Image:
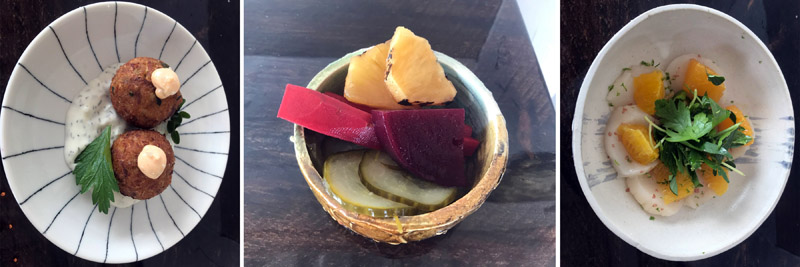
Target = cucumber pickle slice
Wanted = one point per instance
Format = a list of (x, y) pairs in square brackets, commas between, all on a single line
[(381, 175), (341, 174)]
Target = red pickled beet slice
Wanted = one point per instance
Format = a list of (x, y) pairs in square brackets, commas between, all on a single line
[(467, 131), (470, 145), (328, 116), (343, 99), (427, 142)]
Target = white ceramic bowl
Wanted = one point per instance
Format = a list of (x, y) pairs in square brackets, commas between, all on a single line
[(753, 80), (52, 70)]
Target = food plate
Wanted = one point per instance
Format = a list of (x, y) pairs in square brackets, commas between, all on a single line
[(71, 51), (754, 82)]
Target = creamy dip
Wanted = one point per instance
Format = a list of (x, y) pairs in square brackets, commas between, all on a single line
[(90, 112)]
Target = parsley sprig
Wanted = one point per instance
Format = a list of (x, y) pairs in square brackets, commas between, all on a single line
[(176, 121), (688, 136), (93, 170)]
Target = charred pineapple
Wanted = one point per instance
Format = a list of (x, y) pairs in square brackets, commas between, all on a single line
[(413, 75), (364, 84)]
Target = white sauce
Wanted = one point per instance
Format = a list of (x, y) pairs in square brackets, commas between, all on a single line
[(90, 112)]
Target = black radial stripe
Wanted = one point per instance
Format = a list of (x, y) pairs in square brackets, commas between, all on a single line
[(108, 235), (116, 48), (133, 241), (147, 209), (204, 116), (192, 186), (199, 133), (184, 201), (41, 83), (184, 55), (201, 151), (33, 116), (136, 44), (31, 151), (170, 215), (201, 97), (59, 212), (41, 188), (65, 55), (193, 167), (195, 72), (165, 41), (84, 230), (86, 22)]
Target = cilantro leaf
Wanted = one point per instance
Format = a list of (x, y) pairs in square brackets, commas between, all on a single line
[(718, 114), (93, 170), (678, 122), (688, 138), (715, 79), (673, 184)]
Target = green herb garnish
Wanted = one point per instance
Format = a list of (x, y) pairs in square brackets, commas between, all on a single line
[(652, 63), (624, 69), (176, 121), (688, 137), (93, 170), (715, 79)]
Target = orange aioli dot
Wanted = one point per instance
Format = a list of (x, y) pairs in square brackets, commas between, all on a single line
[(166, 82), (152, 161)]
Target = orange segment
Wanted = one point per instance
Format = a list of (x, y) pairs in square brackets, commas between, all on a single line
[(648, 88), (636, 140), (696, 78), (748, 129), (685, 185), (716, 182)]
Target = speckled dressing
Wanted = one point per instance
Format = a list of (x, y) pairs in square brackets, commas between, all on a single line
[(90, 112)]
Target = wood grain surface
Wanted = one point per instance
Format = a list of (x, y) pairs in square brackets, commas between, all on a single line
[(585, 28), (290, 41), (215, 240)]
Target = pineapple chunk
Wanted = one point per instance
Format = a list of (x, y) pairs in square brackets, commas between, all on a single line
[(364, 84), (413, 75)]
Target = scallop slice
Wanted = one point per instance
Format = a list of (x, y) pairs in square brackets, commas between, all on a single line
[(701, 196), (677, 69), (619, 157), (620, 93), (713, 186), (645, 189)]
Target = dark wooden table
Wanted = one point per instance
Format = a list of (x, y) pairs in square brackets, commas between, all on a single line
[(585, 28), (215, 240), (290, 41)]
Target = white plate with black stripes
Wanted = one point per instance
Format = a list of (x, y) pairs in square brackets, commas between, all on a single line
[(53, 69)]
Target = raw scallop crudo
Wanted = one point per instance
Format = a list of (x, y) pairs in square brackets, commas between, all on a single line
[(410, 142), (670, 138)]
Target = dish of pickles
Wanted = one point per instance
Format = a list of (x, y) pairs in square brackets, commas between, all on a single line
[(397, 108)]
